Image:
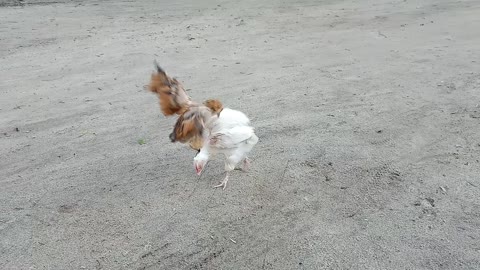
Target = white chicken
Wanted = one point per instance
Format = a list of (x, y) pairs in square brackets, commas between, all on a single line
[(231, 135), (225, 131)]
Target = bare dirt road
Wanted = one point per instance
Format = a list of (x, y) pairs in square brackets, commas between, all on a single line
[(367, 111)]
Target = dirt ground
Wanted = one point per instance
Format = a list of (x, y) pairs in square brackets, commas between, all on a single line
[(367, 112)]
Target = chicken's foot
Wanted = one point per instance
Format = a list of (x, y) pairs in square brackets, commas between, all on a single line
[(223, 183)]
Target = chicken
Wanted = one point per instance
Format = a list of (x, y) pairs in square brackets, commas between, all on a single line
[(208, 128), (173, 99), (224, 131)]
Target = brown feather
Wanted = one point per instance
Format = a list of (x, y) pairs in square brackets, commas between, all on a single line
[(173, 100), (196, 142), (190, 125), (172, 96), (214, 104)]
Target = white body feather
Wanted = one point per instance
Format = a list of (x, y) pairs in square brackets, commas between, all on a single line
[(229, 134)]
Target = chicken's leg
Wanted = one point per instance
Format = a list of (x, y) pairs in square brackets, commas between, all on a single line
[(224, 182)]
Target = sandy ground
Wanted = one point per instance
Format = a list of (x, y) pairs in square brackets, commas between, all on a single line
[(367, 111)]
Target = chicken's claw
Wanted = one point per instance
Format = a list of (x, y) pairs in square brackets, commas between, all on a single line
[(223, 183)]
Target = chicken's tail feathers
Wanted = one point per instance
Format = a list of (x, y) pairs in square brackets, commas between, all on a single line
[(214, 104), (158, 67), (171, 93), (161, 75)]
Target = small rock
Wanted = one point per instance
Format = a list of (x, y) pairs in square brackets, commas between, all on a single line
[(379, 131), (430, 201), (475, 114)]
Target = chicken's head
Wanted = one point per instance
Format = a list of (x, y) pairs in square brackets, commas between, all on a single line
[(199, 162)]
